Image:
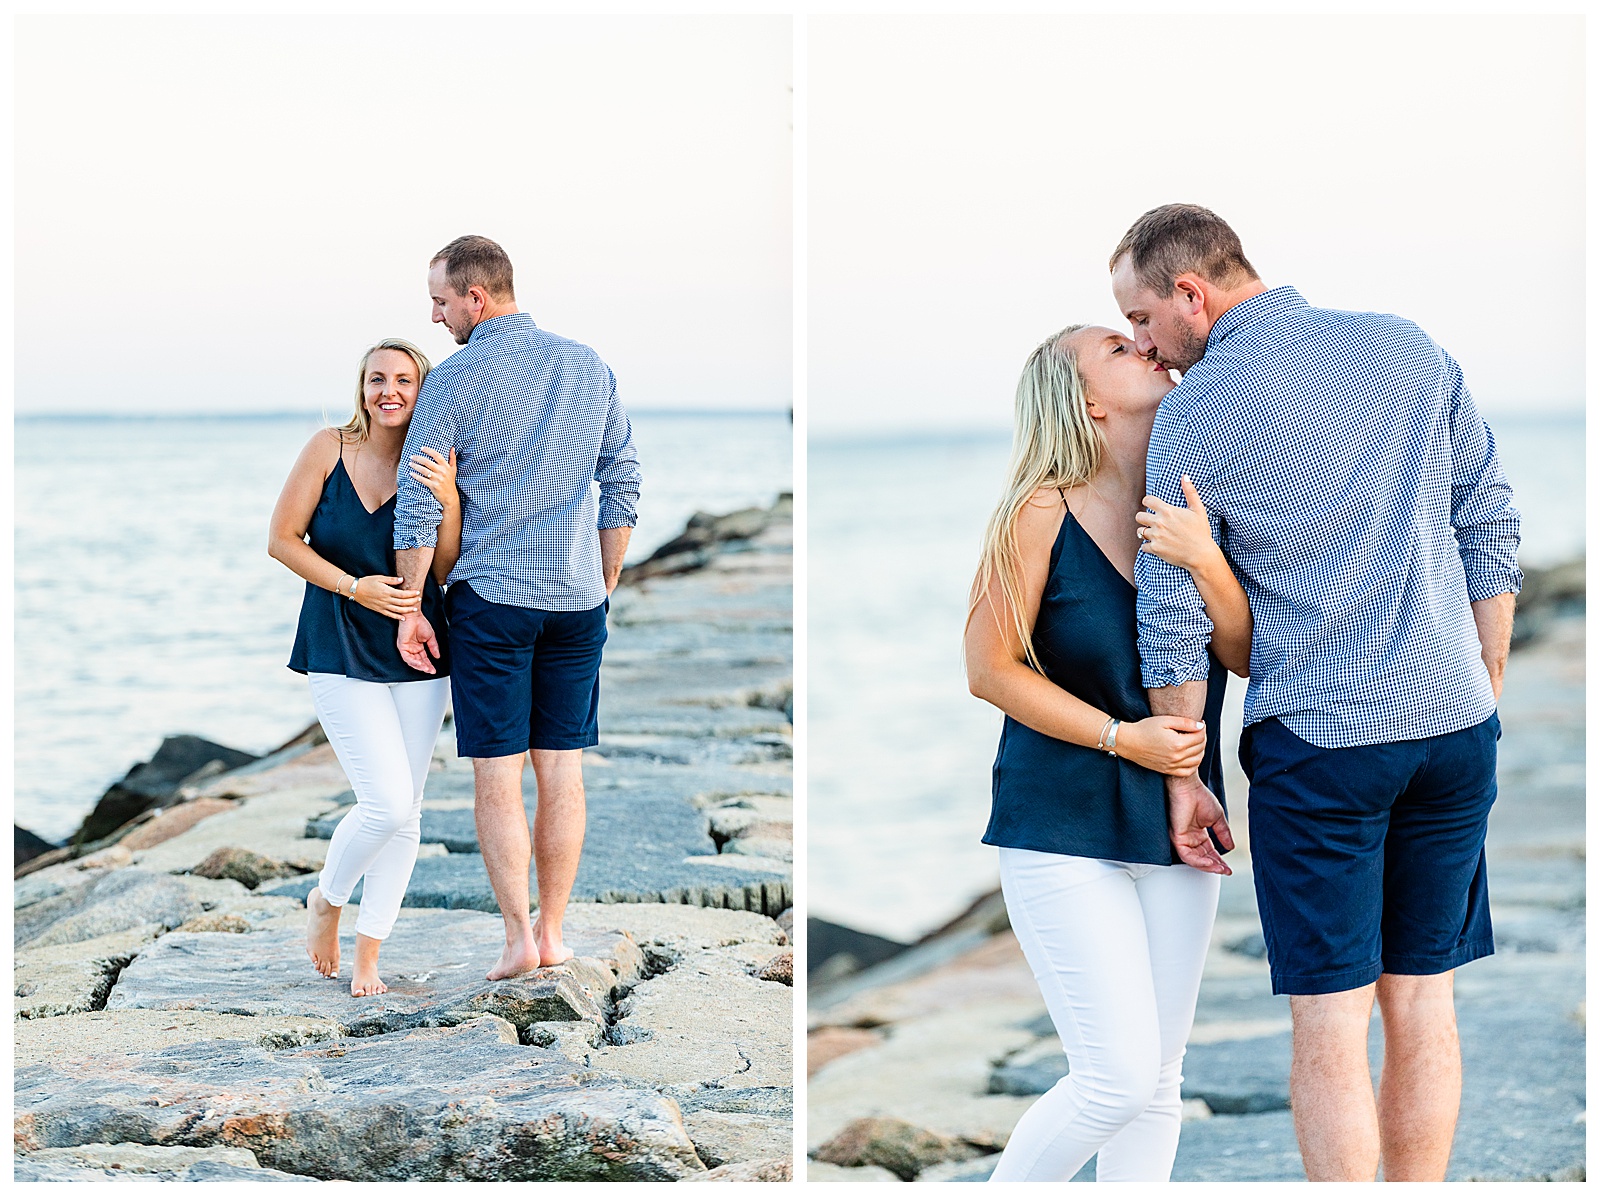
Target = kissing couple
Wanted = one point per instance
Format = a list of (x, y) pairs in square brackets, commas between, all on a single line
[(1317, 505), (453, 548)]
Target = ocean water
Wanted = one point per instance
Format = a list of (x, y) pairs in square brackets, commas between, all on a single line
[(899, 751), (146, 604)]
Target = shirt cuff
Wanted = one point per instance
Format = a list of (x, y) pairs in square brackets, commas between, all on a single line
[(1483, 584), (425, 538), (615, 516), (1160, 675)]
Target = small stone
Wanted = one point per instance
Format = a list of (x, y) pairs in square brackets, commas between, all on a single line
[(779, 969), (893, 1144), (771, 1170), (248, 867)]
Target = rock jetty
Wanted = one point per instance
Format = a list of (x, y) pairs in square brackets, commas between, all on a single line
[(169, 1027), (920, 1064)]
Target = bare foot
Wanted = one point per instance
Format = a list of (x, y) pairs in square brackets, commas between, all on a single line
[(552, 951), (518, 958), (365, 981), (322, 934)]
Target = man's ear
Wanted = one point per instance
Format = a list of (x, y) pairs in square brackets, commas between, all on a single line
[(479, 297), (1190, 292)]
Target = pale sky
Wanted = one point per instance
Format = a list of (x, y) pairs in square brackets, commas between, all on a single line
[(220, 214), (968, 178)]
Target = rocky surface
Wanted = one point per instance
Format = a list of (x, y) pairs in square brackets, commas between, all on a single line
[(169, 1026), (951, 1038)]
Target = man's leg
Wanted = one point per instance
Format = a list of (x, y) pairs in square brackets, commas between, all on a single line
[(558, 826), (503, 839), (1420, 1092), (1330, 1086)]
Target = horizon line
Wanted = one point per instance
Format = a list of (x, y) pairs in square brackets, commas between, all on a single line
[(286, 414)]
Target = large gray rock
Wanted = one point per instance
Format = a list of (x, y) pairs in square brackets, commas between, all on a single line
[(433, 962), (75, 977), (119, 900), (111, 1035), (722, 1138), (461, 1103)]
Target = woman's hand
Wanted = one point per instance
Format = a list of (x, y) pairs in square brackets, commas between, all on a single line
[(1180, 536), (379, 593), (436, 473), (1168, 744)]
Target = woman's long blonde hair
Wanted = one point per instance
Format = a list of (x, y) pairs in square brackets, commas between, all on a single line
[(360, 424), (1055, 444)]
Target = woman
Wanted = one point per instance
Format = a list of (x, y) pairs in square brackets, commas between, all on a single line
[(1113, 925), (380, 715)]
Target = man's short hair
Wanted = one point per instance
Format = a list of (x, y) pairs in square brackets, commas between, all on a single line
[(1179, 239), (474, 261)]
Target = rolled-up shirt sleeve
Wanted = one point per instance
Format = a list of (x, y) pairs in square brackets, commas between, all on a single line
[(1488, 528), (1174, 631), (416, 513), (617, 468)]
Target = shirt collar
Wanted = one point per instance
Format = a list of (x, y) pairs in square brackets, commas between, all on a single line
[(1255, 310), (494, 325)]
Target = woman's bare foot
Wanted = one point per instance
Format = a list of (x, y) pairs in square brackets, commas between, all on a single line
[(365, 981), (552, 951), (322, 934)]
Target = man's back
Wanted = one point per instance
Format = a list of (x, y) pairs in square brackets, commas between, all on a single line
[(1360, 500), (535, 420)]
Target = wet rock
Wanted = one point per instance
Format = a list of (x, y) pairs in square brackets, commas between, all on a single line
[(119, 900), (74, 977), (428, 1104), (179, 819), (179, 760), (772, 1170), (28, 845), (895, 1145), (245, 866), (692, 548), (779, 969), (433, 962), (721, 1138)]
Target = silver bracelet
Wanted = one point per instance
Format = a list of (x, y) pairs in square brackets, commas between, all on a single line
[(355, 582), (1111, 742), (338, 584), (1104, 729)]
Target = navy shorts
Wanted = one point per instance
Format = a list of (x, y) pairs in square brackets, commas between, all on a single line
[(523, 678), (1369, 859)]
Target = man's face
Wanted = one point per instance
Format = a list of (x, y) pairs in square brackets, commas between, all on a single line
[(1171, 329), (457, 313)]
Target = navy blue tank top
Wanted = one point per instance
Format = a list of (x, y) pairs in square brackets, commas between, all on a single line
[(337, 636), (1063, 798)]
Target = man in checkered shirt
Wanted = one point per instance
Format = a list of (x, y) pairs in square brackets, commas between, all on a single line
[(535, 424), (1356, 491)]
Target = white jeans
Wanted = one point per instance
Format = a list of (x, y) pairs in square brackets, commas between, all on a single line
[(1117, 949), (383, 734)]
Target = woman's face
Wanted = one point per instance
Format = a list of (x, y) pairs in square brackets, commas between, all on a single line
[(1118, 380), (390, 388)]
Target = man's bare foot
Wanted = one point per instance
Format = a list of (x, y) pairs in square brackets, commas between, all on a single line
[(518, 958), (322, 934), (552, 951), (365, 981)]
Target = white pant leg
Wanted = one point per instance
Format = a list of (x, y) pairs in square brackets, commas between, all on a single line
[(1082, 929), (383, 735), (1180, 904)]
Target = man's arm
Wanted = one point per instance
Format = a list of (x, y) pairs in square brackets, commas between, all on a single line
[(416, 512), (617, 472), (613, 547), (1174, 634), (1493, 617)]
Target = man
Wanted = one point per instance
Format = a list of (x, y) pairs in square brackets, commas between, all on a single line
[(534, 419), (1356, 491)]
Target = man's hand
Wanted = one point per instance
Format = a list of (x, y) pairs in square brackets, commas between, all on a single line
[(416, 641), (1494, 617), (1191, 811)]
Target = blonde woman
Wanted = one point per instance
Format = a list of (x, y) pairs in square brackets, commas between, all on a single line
[(380, 715), (1113, 925)]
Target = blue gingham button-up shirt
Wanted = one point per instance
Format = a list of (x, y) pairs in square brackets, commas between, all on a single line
[(1357, 494), (535, 421)]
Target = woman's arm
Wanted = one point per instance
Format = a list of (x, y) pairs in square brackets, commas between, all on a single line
[(997, 669), (438, 474), (1182, 537), (291, 517)]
